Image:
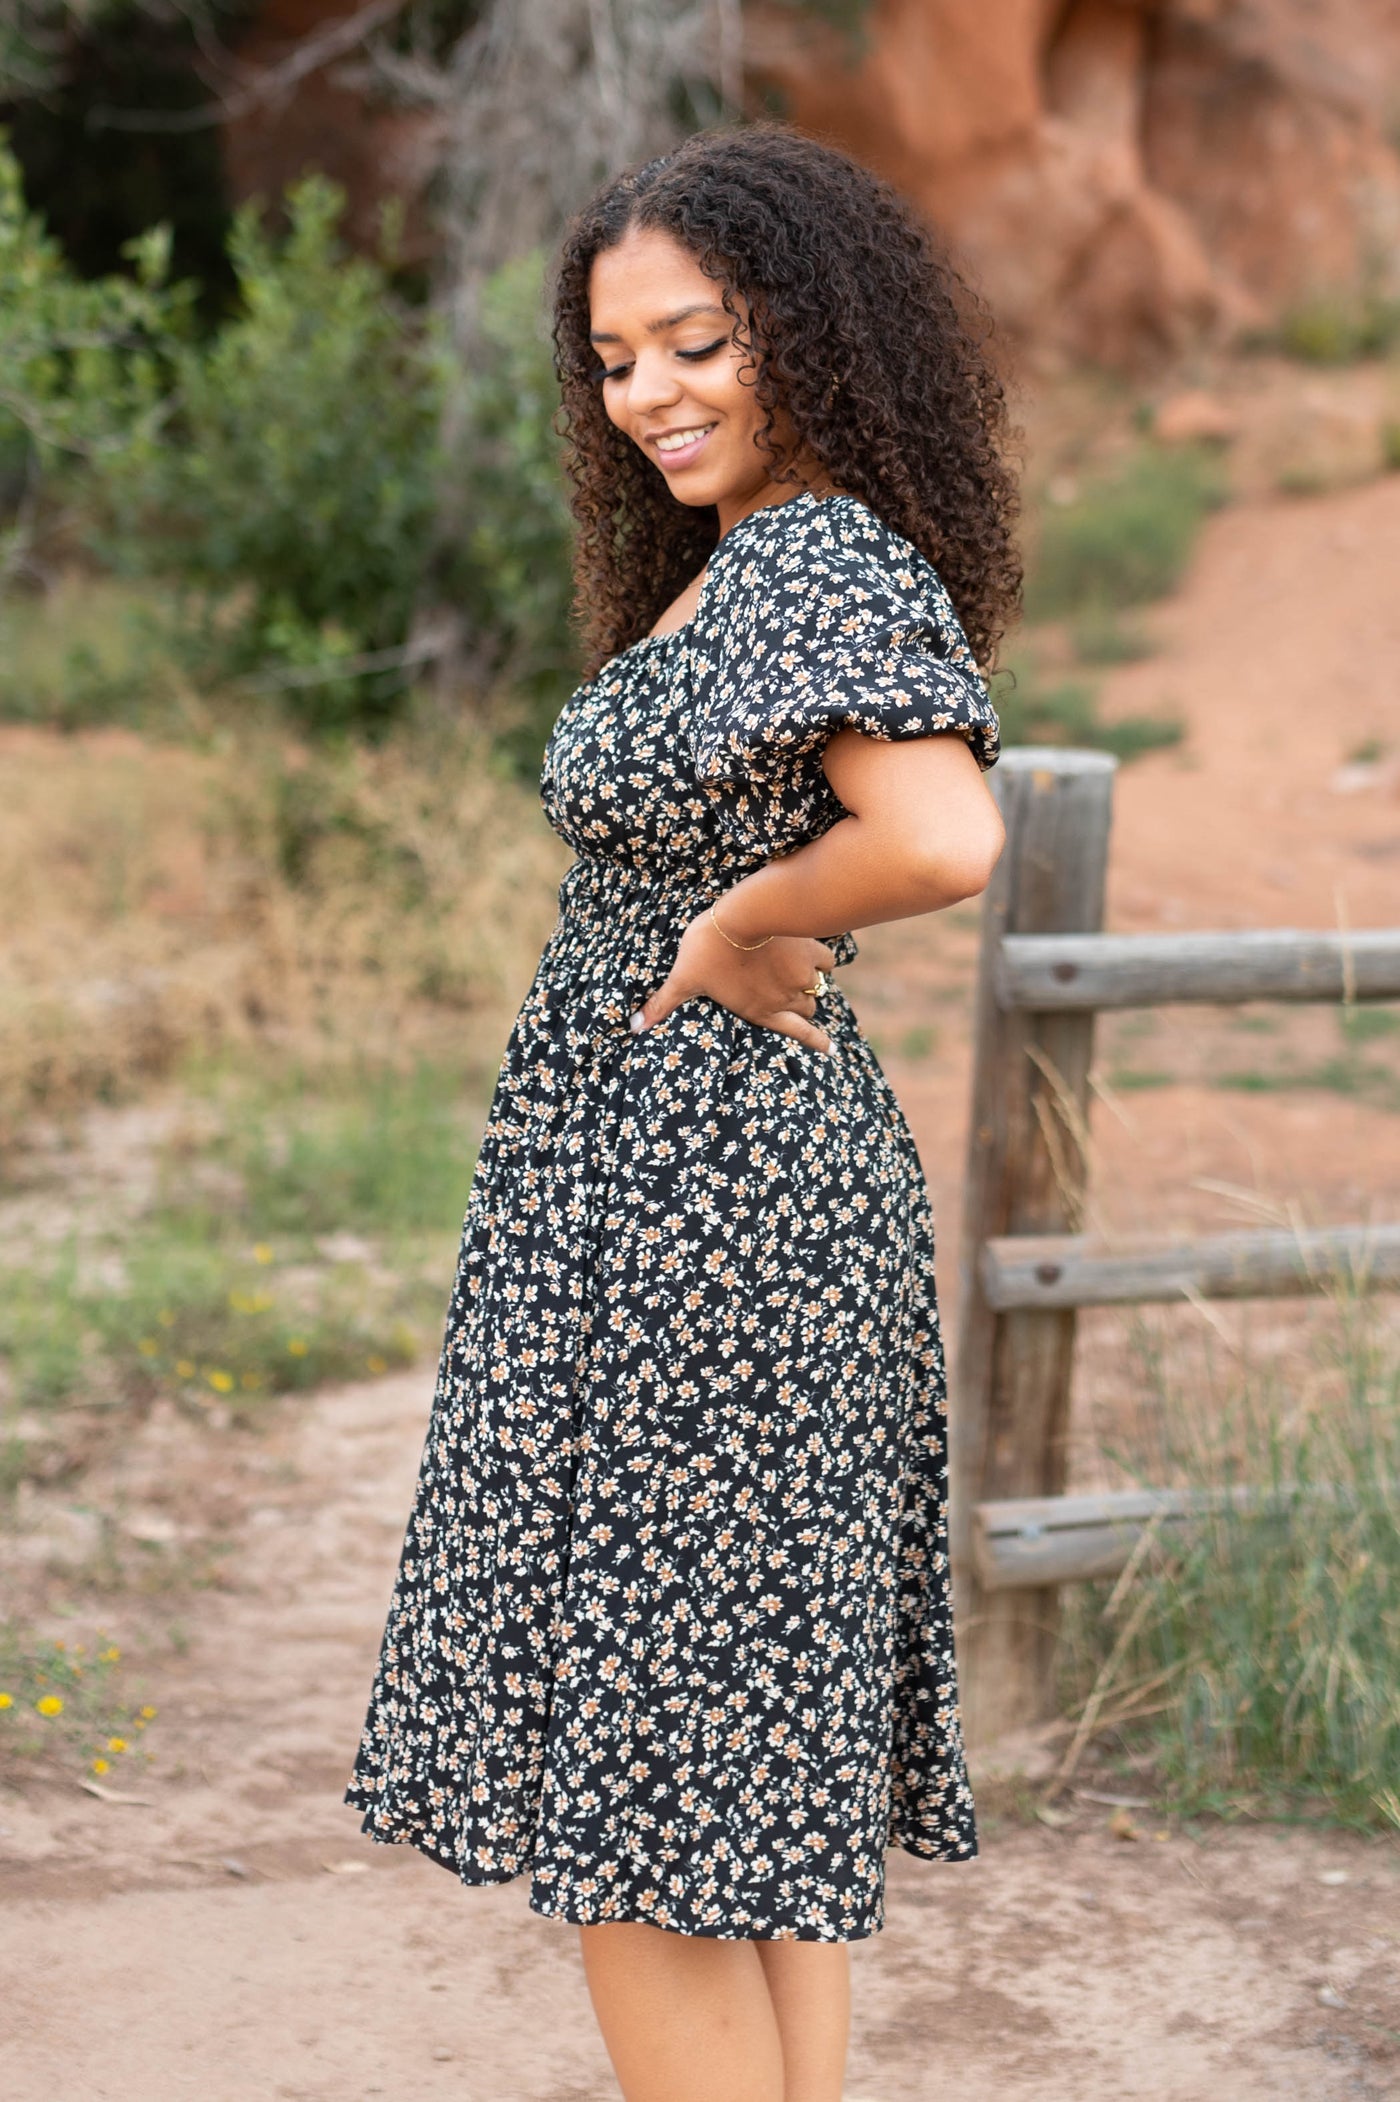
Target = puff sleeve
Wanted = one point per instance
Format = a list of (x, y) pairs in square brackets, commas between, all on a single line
[(817, 617)]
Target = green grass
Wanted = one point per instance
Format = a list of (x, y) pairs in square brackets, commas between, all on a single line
[(1125, 538), (1256, 1661), (1345, 1074), (387, 1154), (229, 1286), (1102, 636), (66, 1705), (1368, 1025), (1034, 711), (94, 651), (919, 1042), (1338, 328), (1127, 1078)]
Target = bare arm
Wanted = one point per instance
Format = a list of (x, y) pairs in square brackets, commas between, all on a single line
[(922, 832)]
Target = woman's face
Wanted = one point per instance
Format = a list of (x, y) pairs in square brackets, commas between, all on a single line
[(670, 375)]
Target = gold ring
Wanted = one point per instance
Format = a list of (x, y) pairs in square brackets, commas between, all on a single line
[(814, 992)]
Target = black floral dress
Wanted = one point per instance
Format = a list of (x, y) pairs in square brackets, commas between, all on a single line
[(671, 1631)]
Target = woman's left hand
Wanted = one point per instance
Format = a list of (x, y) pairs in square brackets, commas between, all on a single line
[(775, 984)]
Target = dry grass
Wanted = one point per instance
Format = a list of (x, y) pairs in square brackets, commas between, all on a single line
[(164, 900), (1249, 1659)]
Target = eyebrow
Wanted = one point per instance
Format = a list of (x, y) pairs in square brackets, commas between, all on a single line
[(655, 328)]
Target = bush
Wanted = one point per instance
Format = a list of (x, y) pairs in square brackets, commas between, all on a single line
[(514, 527), (1032, 712), (308, 480), (1339, 328), (83, 363), (1124, 539), (293, 495)]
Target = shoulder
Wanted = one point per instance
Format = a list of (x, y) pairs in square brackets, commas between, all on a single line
[(820, 571)]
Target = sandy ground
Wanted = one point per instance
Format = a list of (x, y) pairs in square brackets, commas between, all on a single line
[(232, 1936)]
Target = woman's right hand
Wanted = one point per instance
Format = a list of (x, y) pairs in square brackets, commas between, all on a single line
[(773, 985)]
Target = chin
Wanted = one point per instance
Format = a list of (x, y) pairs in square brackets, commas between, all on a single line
[(698, 499)]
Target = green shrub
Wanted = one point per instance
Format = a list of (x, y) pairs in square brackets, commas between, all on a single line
[(293, 495), (307, 481), (1124, 539), (1066, 713), (1101, 636), (1339, 328), (82, 364), (512, 516)]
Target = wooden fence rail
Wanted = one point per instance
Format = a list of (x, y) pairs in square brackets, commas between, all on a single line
[(1046, 969), (1064, 1270), (1065, 974)]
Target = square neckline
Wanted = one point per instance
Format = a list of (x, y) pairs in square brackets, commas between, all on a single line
[(840, 496)]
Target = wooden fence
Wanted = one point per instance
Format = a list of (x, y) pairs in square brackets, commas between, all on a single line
[(1046, 969)]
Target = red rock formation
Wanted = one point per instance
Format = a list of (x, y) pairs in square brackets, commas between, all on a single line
[(372, 149), (1121, 176)]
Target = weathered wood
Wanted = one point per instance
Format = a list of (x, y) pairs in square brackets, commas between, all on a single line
[(1027, 1542), (1025, 1174), (1069, 974), (1068, 1270)]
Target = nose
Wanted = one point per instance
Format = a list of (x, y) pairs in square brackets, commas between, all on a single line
[(652, 384)]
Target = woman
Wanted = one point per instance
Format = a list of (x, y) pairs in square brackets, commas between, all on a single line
[(671, 1632)]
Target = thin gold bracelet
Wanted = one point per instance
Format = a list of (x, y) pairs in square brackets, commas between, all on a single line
[(744, 948)]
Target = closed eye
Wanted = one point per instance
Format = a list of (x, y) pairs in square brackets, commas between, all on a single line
[(692, 357)]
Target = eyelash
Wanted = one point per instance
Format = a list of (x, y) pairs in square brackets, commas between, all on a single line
[(692, 357)]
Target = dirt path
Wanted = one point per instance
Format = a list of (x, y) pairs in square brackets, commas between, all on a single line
[(236, 1939)]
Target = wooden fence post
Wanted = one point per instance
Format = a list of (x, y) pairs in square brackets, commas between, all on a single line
[(1025, 1174)]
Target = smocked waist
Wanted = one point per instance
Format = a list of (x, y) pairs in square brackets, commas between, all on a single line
[(619, 926)]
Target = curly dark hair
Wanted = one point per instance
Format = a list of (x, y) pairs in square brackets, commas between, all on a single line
[(861, 329)]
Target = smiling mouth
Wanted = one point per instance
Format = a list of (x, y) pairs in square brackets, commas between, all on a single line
[(677, 448)]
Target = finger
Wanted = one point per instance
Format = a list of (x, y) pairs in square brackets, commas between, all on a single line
[(656, 1007), (826, 956), (788, 1023), (803, 1004)]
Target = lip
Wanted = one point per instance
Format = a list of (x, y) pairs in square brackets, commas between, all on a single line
[(668, 462)]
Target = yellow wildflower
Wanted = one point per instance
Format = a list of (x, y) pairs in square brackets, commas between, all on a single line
[(298, 1346), (148, 1347), (148, 1715), (184, 1368), (261, 1252), (221, 1382), (166, 1318), (49, 1704), (7, 1700), (108, 1655), (377, 1364), (102, 1766), (117, 1744)]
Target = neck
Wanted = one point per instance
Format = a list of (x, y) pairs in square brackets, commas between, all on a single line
[(817, 483)]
